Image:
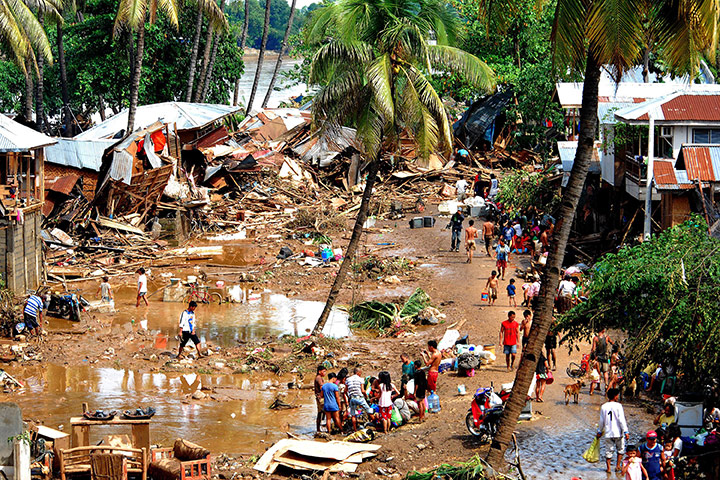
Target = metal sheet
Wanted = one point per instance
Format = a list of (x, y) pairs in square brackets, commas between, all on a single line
[(703, 108), (19, 138), (83, 154)]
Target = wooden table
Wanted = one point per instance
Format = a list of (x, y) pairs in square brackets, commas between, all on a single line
[(81, 431)]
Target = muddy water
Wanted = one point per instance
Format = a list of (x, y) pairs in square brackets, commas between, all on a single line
[(54, 393), (263, 314), (282, 93)]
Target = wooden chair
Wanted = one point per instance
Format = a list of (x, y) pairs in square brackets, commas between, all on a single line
[(78, 460), (165, 465)]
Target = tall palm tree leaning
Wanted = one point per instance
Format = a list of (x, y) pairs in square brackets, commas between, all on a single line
[(600, 32), (283, 47), (209, 71), (243, 38), (373, 70), (132, 14), (261, 56), (216, 20)]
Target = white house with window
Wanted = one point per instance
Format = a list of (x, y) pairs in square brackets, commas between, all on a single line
[(681, 118)]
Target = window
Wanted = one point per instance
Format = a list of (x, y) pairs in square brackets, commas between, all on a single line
[(706, 135)]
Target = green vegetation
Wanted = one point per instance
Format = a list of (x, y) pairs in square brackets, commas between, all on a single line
[(374, 315), (663, 294), (520, 190), (473, 469)]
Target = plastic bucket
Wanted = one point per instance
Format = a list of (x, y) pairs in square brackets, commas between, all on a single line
[(489, 348)]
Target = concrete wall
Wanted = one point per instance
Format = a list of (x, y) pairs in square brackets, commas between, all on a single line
[(11, 424), (21, 257)]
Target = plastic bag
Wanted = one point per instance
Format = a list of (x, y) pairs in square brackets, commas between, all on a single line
[(395, 417), (592, 454)]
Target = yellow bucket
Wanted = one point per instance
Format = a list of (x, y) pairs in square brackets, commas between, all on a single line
[(489, 348)]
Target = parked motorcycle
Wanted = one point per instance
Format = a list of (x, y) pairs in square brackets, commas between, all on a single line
[(483, 418), (66, 305)]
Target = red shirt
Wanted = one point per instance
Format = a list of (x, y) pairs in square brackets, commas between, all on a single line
[(510, 332)]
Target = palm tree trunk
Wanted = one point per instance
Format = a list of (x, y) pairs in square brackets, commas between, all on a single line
[(206, 61), (211, 65), (243, 38), (544, 317), (28, 107), (63, 81), (646, 65), (256, 81), (135, 84), (352, 246), (39, 91), (236, 92), (280, 55), (193, 56)]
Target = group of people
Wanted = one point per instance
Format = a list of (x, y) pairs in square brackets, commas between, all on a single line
[(654, 459), (342, 399)]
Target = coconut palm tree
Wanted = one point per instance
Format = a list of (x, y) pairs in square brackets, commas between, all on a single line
[(283, 47), (243, 38), (373, 69), (216, 21), (597, 33), (205, 84), (132, 15), (261, 56)]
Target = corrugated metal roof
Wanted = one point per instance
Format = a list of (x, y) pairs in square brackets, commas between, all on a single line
[(64, 184), (701, 104), (570, 93), (667, 178), (566, 151), (187, 116), (700, 162), (705, 108), (19, 138), (72, 152)]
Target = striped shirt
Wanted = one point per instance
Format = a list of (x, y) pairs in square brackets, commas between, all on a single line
[(33, 306), (354, 386)]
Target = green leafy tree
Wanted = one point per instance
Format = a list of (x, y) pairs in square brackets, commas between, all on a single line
[(663, 294), (373, 67), (589, 34)]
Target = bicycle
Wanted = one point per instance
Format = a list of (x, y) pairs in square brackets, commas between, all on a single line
[(200, 294), (578, 371)]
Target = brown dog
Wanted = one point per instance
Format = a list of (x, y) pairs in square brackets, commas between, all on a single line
[(574, 391)]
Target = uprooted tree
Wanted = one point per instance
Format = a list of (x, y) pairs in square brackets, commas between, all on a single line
[(374, 76), (664, 295)]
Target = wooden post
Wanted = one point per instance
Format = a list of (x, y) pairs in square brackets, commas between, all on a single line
[(141, 435)]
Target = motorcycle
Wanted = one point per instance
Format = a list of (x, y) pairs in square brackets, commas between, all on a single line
[(485, 411), (66, 305)]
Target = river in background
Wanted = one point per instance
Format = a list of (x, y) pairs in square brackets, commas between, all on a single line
[(282, 91)]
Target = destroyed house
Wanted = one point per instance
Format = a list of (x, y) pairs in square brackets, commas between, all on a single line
[(21, 201)]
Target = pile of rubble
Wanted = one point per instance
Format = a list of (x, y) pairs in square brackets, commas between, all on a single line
[(271, 174)]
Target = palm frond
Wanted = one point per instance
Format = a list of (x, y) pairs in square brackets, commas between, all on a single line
[(337, 52), (614, 32), (31, 29), (568, 33), (379, 75), (130, 13), (419, 120), (216, 17), (456, 60), (336, 100), (13, 36), (170, 7), (432, 102)]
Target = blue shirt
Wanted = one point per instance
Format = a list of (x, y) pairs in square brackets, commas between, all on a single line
[(33, 306), (328, 390), (651, 460), (462, 152), (511, 289)]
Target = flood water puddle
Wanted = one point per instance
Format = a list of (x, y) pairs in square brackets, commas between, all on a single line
[(263, 314), (55, 393)]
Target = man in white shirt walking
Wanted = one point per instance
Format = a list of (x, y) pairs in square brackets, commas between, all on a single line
[(187, 329), (613, 424), (142, 287), (461, 188)]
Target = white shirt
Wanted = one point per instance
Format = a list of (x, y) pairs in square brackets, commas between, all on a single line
[(566, 288), (142, 283), (612, 420), (187, 321), (461, 186), (518, 229)]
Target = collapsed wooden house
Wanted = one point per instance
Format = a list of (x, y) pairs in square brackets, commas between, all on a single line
[(21, 199)]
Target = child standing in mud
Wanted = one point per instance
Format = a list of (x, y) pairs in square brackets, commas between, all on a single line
[(492, 286)]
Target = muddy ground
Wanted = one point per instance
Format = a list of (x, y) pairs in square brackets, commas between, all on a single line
[(88, 354)]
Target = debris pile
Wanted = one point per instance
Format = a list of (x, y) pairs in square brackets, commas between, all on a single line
[(335, 456)]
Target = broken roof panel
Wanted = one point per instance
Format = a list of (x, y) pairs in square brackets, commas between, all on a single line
[(71, 152), (186, 116), (470, 129), (667, 178), (64, 184), (15, 137)]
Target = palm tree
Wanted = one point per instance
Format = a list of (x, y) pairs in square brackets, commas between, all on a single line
[(209, 71), (373, 67), (243, 37), (600, 32), (133, 14), (216, 20), (280, 54), (261, 56)]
